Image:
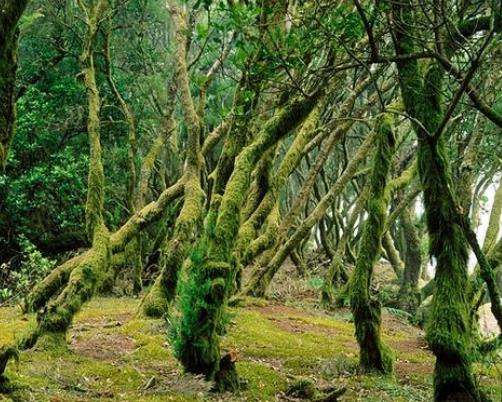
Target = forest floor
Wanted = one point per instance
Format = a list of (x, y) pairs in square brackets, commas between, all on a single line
[(112, 355)]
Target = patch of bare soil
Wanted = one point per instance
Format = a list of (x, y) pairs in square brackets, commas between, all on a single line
[(412, 345), (90, 339), (405, 369), (101, 346), (275, 310), (298, 326), (393, 325), (103, 321), (279, 315)]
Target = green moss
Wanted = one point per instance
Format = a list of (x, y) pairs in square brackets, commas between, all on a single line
[(247, 301), (134, 262), (204, 292), (174, 251), (12, 324), (267, 239), (271, 341), (275, 344), (51, 284), (336, 273), (96, 178), (155, 302), (374, 355), (264, 382), (448, 331), (268, 208), (82, 283), (267, 268)]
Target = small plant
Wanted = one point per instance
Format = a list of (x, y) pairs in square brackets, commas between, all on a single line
[(32, 268)]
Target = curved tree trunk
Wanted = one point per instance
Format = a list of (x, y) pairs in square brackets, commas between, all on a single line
[(189, 220), (91, 271), (448, 331), (393, 254), (336, 272), (85, 273), (374, 355), (204, 292)]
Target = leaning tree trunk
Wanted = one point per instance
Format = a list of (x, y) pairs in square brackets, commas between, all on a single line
[(272, 260), (189, 221), (133, 251), (393, 255), (448, 332), (336, 272), (249, 246), (374, 355), (84, 274), (204, 291), (91, 271), (10, 14), (58, 278), (156, 302)]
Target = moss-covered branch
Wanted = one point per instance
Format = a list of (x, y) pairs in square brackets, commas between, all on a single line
[(392, 254), (409, 294), (96, 177), (52, 284), (83, 274), (263, 273), (248, 246), (324, 152), (336, 272)]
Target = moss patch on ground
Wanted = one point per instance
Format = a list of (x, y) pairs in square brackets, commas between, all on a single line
[(112, 355)]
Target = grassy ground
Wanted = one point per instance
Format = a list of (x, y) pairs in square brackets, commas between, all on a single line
[(114, 356)]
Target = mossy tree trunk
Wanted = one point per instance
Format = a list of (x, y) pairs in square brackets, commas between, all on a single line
[(336, 273), (189, 221), (267, 212), (493, 229), (409, 294), (82, 275), (204, 291), (393, 255), (374, 355), (267, 249), (11, 12), (133, 250), (91, 271), (337, 134), (58, 278), (448, 331)]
